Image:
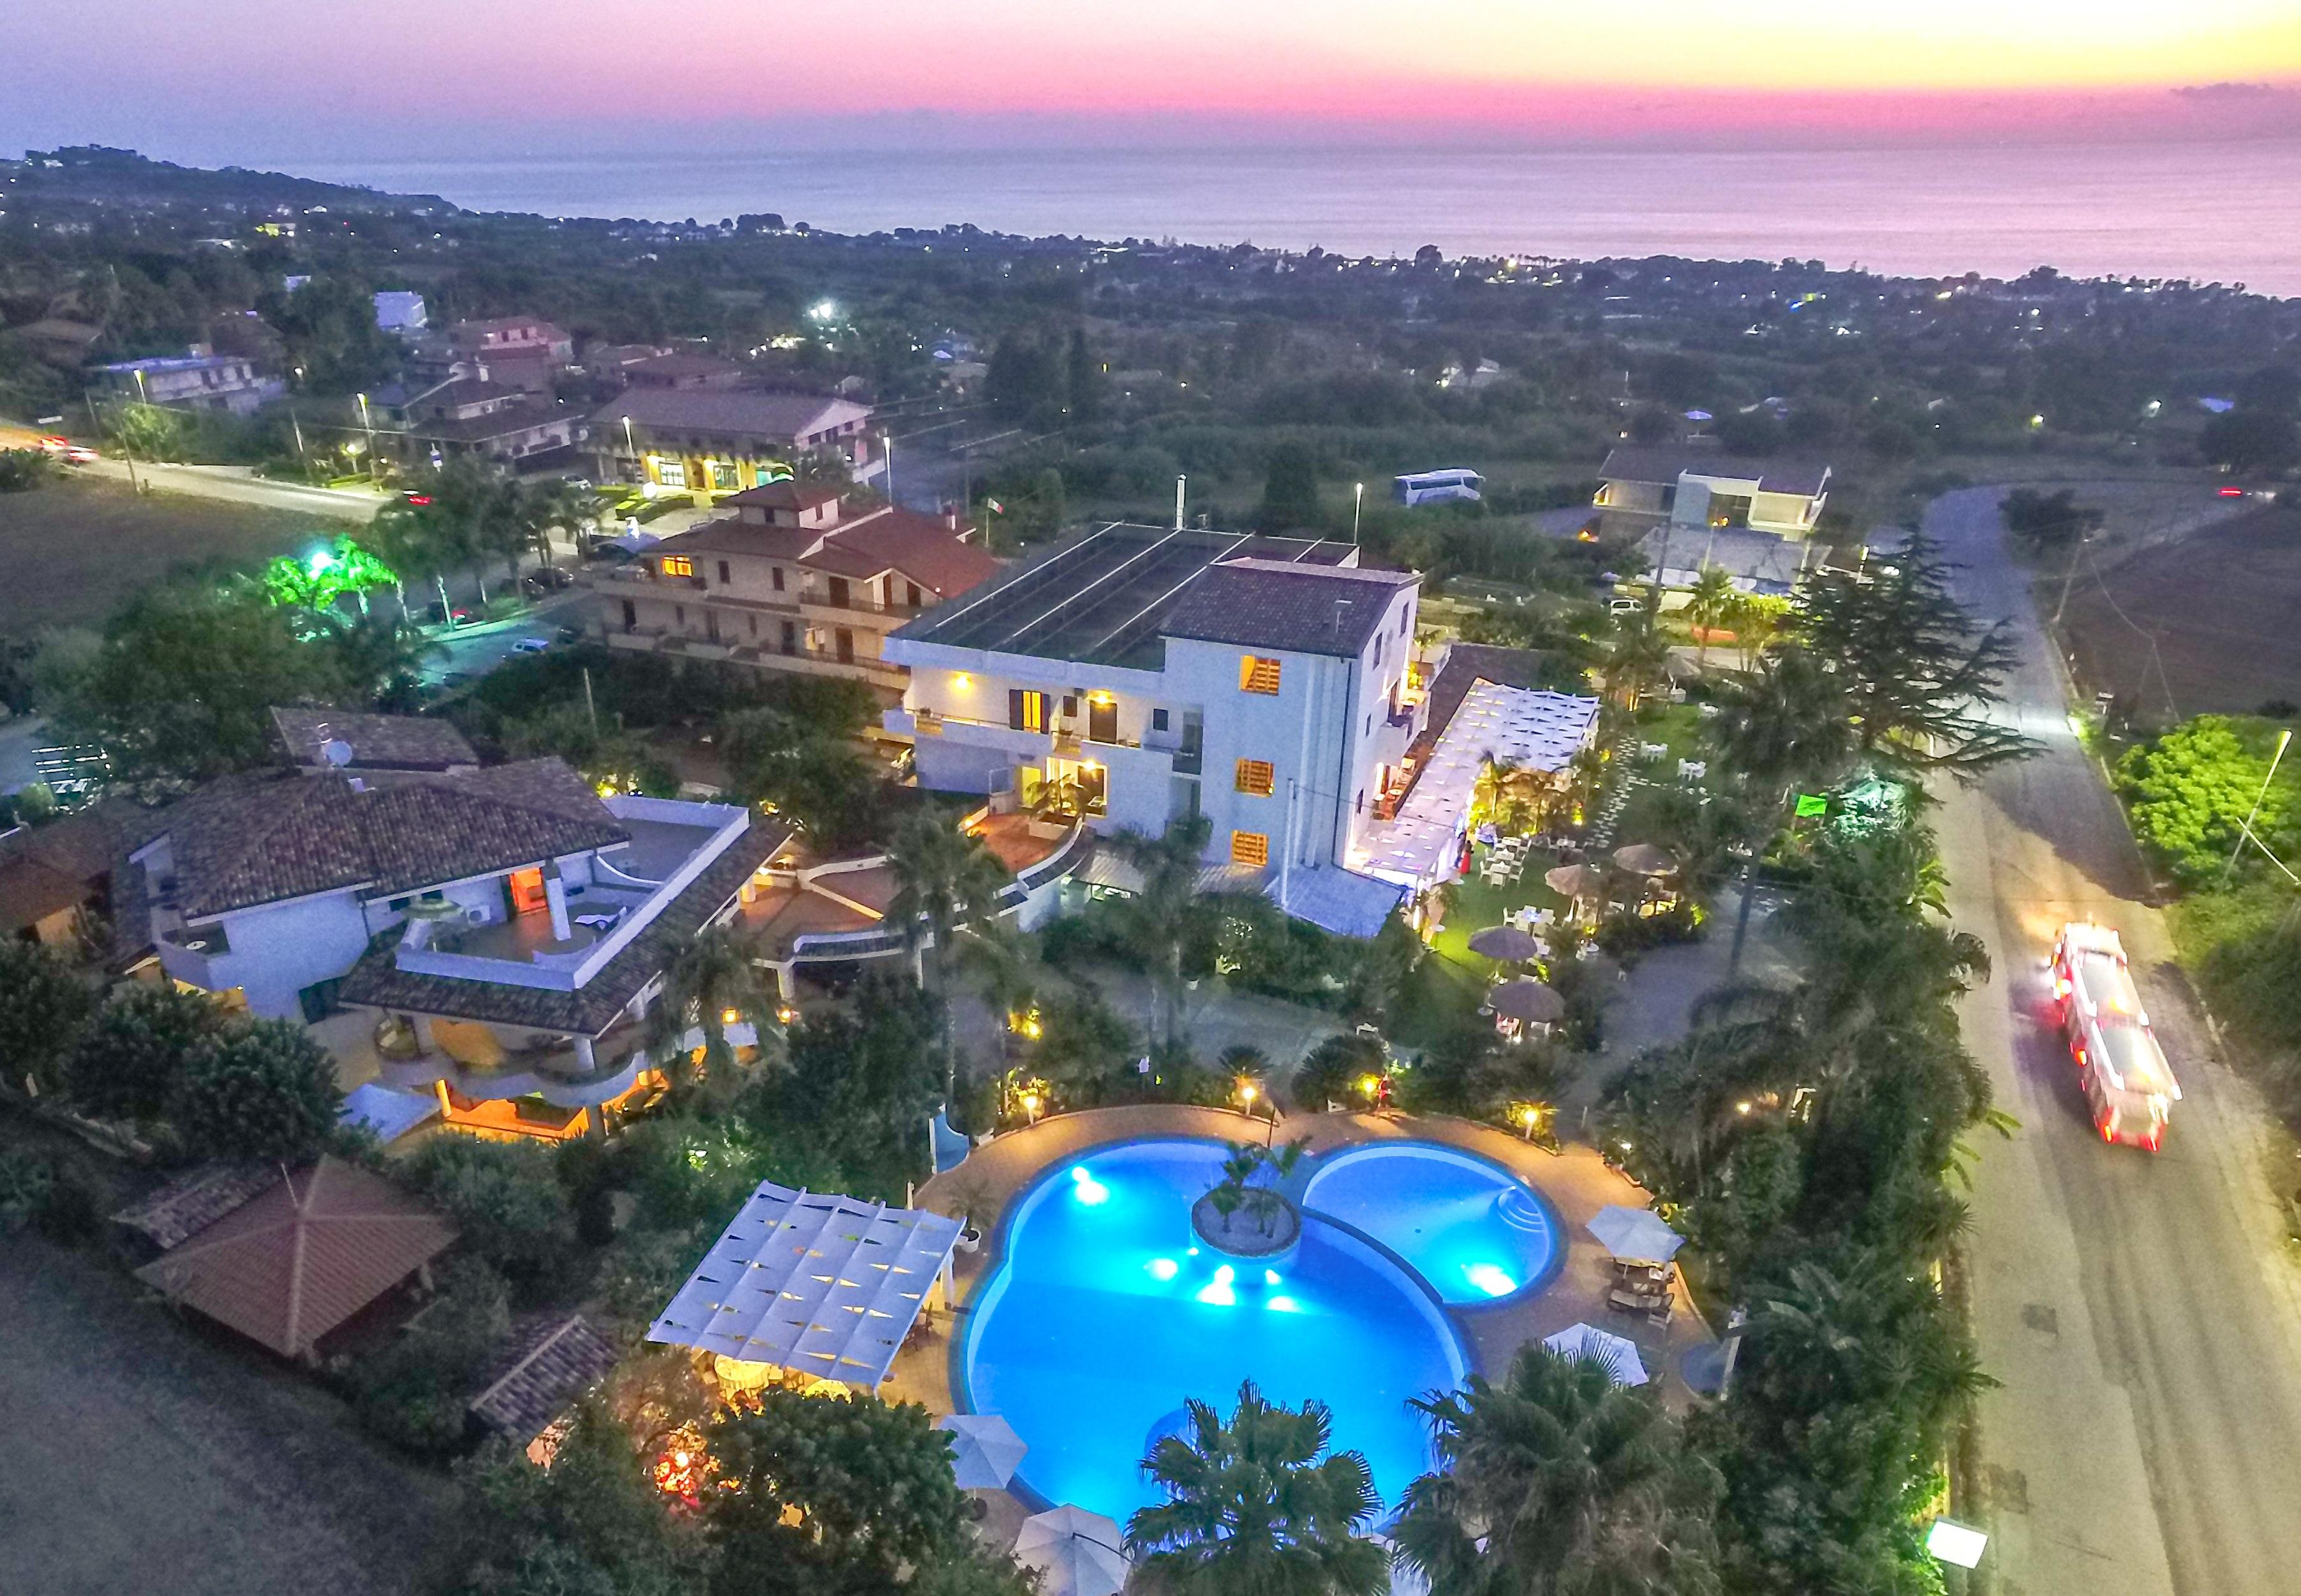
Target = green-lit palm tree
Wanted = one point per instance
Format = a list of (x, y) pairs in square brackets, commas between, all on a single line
[(712, 979), (1257, 1507), (1558, 1480)]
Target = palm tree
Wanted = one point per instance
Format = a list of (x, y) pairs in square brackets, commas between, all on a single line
[(1258, 1508), (538, 509), (1170, 915), (1558, 1480), (712, 984), (946, 881), (1779, 726), (1636, 656), (375, 657), (1712, 599)]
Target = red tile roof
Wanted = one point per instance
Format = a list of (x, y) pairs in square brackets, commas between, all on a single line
[(296, 1261)]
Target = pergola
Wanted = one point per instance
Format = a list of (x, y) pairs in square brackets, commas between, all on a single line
[(816, 1284)]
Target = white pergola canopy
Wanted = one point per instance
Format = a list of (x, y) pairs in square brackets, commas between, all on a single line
[(811, 1280), (1536, 730)]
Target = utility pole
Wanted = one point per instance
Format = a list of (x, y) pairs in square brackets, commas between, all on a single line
[(887, 441), (304, 458), (1180, 482), (2070, 576), (590, 707), (2245, 829)]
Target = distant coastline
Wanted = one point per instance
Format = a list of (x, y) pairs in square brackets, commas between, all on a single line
[(2205, 213)]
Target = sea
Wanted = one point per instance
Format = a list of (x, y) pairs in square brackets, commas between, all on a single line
[(2203, 212)]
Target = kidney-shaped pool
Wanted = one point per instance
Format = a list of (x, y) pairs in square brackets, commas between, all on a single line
[(1105, 1314), (1469, 1226)]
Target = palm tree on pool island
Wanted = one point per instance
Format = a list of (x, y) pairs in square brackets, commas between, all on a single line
[(1558, 1481), (1258, 1506)]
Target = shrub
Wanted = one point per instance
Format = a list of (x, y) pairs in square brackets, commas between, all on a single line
[(264, 1090), (129, 1061), (1331, 1071), (414, 1392), (2191, 790), (43, 1007), (504, 1197)]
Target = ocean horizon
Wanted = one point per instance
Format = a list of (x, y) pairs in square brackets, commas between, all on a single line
[(2207, 212)]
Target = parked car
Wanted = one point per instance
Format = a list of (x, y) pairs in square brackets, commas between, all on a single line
[(439, 616), (529, 645)]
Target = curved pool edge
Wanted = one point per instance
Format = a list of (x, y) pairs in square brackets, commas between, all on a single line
[(1538, 1281), (994, 1263)]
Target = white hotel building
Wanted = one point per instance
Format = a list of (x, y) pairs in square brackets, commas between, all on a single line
[(1137, 675)]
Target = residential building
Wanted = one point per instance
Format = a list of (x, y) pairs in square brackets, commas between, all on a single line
[(523, 352), (683, 369), (1644, 488), (326, 739), (712, 441), (1134, 676), (1757, 562), (475, 418), (508, 926), (55, 880), (396, 310), (199, 381), (792, 581)]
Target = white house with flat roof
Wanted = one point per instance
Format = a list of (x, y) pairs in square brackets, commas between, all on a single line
[(1136, 676)]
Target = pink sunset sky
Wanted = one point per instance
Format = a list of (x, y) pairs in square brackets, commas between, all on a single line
[(269, 80)]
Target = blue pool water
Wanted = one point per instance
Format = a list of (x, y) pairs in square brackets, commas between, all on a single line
[(1101, 1320), (1468, 1226)]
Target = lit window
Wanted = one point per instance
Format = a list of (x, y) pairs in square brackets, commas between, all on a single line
[(1257, 674), (671, 473), (1255, 776), (1250, 847), (678, 565)]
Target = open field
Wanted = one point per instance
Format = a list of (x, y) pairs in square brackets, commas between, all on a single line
[(74, 550), (2220, 606)]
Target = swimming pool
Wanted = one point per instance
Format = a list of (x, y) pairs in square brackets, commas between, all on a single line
[(1469, 1226), (1105, 1314)]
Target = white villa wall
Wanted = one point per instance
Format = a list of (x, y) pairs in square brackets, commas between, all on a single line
[(279, 949)]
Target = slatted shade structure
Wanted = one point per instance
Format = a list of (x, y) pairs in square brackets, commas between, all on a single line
[(814, 1281)]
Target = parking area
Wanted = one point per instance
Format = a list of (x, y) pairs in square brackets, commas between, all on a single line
[(144, 1455)]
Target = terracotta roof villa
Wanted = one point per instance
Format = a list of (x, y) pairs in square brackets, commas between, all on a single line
[(509, 925), (793, 580), (301, 1257)]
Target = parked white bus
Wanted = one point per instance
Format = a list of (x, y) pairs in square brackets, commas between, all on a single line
[(1438, 487)]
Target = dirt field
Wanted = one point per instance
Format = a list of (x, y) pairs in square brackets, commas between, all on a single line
[(2223, 606), (73, 551)]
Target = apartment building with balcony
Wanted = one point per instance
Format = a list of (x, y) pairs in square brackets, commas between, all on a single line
[(711, 441), (478, 418), (1134, 676), (523, 352), (505, 928), (792, 581)]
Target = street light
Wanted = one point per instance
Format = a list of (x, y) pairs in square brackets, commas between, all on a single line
[(1358, 502)]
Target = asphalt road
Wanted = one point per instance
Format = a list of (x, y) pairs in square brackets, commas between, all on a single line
[(238, 486), (2140, 1310)]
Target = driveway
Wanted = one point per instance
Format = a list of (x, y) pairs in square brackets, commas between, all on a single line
[(2141, 1311), (146, 1454)]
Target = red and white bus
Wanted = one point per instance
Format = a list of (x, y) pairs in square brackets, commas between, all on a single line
[(2127, 1083)]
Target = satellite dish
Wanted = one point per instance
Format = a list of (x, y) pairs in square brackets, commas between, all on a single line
[(336, 752)]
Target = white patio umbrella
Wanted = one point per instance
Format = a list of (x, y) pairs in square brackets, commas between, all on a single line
[(1636, 1233), (1077, 1553), (984, 1450), (1505, 942), (1619, 1353)]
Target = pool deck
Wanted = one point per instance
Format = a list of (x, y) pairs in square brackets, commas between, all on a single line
[(1576, 1182)]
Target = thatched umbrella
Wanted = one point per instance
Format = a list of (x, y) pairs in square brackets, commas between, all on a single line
[(1528, 1000), (1576, 883), (1644, 858), (1504, 943)]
